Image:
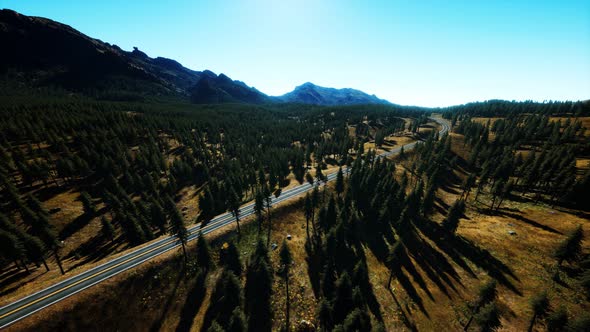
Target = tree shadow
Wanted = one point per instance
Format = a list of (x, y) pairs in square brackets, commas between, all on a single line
[(457, 247), (433, 263), (367, 287), (410, 289), (157, 325), (46, 193), (529, 221), (314, 267), (407, 322), (17, 276), (193, 303), (74, 226), (92, 250)]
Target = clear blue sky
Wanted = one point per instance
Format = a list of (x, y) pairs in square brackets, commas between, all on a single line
[(430, 53)]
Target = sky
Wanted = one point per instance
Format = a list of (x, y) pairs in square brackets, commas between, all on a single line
[(425, 53)]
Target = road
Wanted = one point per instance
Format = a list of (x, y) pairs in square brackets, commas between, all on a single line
[(28, 305)]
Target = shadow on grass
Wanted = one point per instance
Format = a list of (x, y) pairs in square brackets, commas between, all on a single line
[(193, 303), (407, 322), (458, 248), (157, 325), (92, 250), (528, 221), (74, 226)]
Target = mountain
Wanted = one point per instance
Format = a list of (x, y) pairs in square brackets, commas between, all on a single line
[(39, 52), (310, 93)]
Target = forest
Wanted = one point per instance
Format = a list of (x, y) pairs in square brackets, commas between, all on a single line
[(129, 164)]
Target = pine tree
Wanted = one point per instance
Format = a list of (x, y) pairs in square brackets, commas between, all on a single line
[(540, 305), (237, 322), (339, 182), (87, 203), (207, 204), (570, 249), (230, 259), (428, 200), (486, 294), (34, 249), (258, 291), (233, 205), (286, 259), (324, 313), (259, 209), (108, 231), (342, 298), (158, 216), (11, 248), (178, 228), (51, 242), (451, 222), (488, 318), (557, 320)]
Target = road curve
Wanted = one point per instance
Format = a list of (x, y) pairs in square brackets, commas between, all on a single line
[(30, 304)]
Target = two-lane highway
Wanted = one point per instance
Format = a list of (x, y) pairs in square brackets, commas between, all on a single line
[(68, 287)]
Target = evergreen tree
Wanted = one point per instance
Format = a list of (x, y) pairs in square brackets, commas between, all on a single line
[(286, 258), (207, 205), (342, 298), (557, 320), (488, 318), (570, 249), (11, 248), (225, 298), (258, 292), (237, 322), (87, 203), (259, 209), (324, 313), (178, 228), (108, 231), (51, 242), (233, 205), (451, 222), (339, 182), (158, 216), (540, 305), (230, 259), (486, 294), (34, 249)]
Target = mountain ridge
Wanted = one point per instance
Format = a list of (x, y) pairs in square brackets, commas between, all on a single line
[(41, 52), (309, 93)]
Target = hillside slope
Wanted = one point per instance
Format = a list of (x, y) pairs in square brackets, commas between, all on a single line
[(39, 52)]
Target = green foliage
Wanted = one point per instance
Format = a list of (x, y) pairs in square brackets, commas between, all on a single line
[(488, 317), (230, 259), (557, 320), (258, 290), (87, 203), (580, 323), (569, 250), (451, 222), (108, 231)]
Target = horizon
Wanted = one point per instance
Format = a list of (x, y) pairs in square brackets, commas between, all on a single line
[(434, 55)]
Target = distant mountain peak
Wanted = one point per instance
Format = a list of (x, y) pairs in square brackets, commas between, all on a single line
[(309, 93)]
